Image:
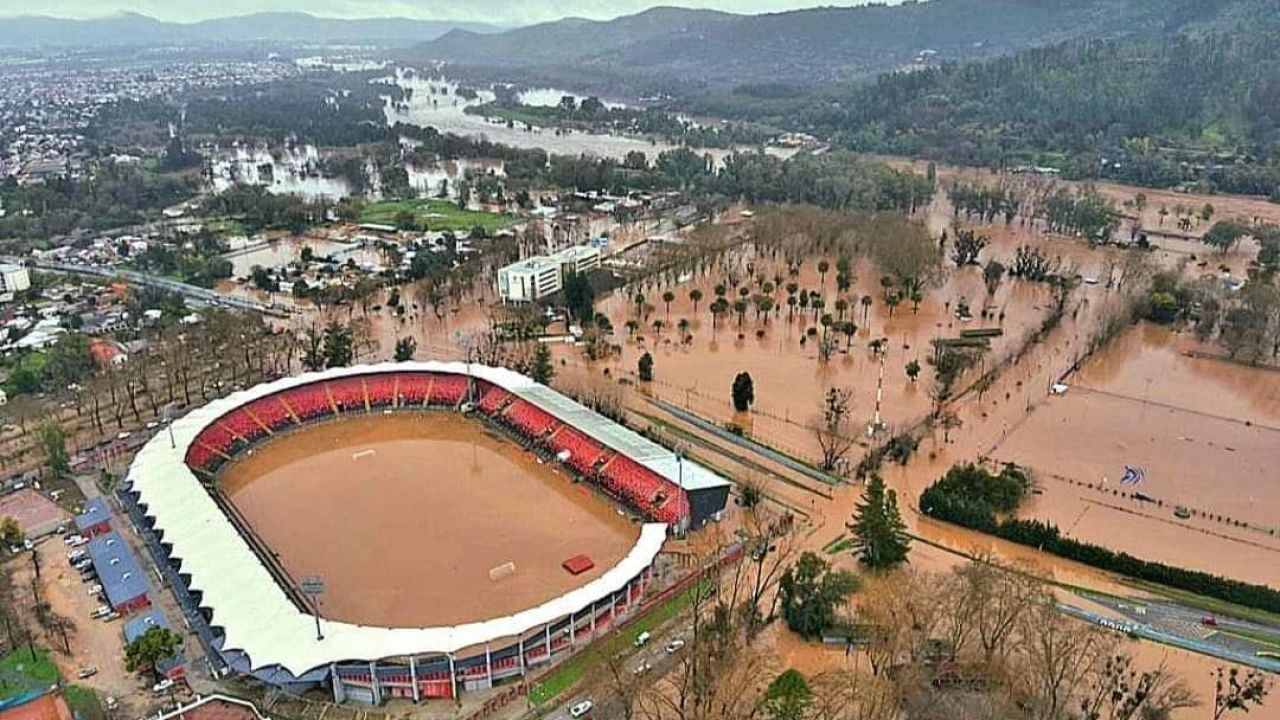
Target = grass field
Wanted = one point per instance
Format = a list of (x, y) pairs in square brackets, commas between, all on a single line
[(573, 670), (19, 672), (84, 702), (431, 214)]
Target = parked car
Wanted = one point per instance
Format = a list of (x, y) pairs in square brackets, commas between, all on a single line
[(164, 685), (88, 672), (581, 709), (642, 639), (95, 589), (83, 564), (675, 646), (73, 540), (76, 556), (101, 611)]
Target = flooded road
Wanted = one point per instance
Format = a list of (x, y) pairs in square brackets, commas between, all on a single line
[(406, 515)]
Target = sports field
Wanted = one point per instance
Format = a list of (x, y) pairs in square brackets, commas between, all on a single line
[(412, 519)]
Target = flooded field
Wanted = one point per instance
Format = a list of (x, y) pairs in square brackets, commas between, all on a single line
[(1205, 434), (288, 171), (279, 252), (434, 103), (406, 515)]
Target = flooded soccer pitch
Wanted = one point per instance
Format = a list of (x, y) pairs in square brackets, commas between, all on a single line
[(406, 515)]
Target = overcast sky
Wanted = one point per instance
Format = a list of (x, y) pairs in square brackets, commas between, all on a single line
[(506, 12)]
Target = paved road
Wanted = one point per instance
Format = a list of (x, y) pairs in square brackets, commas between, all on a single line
[(192, 292)]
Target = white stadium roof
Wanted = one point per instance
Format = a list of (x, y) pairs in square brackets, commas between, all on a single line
[(254, 612)]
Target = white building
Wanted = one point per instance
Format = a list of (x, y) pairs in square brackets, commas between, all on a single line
[(14, 278), (537, 277)]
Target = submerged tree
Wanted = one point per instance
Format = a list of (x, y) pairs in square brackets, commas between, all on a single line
[(879, 535), (833, 433), (744, 392)]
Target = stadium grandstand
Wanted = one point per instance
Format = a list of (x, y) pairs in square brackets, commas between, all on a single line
[(257, 622)]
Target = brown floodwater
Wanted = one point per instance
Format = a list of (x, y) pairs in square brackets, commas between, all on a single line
[(405, 516)]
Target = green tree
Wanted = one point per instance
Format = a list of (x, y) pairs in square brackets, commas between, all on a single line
[(913, 370), (667, 298), (880, 538), (810, 593), (579, 298), (405, 348), (1224, 235), (150, 647), (787, 697), (11, 534), (744, 392), (68, 361), (313, 349), (542, 371), (54, 440), (695, 295), (645, 367), (339, 347)]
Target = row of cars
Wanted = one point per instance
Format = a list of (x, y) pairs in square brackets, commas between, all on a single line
[(78, 557)]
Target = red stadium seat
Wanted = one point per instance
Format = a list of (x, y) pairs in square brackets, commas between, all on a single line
[(413, 389), (309, 401), (200, 457), (528, 419), (243, 425), (348, 394), (216, 437), (448, 390), (381, 389), (270, 412), (493, 399), (583, 451)]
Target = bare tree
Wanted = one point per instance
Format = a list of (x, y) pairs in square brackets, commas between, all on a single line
[(833, 432)]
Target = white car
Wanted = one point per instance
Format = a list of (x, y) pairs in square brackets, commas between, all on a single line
[(94, 589), (163, 686), (72, 540), (83, 564), (101, 612), (675, 646), (581, 709), (76, 556), (77, 541)]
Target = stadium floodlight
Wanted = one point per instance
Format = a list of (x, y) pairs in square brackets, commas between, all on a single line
[(313, 586)]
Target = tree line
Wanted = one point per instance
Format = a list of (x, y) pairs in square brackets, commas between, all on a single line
[(973, 497)]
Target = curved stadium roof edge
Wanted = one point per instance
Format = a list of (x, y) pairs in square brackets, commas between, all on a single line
[(254, 612)]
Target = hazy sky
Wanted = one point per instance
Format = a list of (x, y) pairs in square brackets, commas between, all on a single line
[(494, 11)]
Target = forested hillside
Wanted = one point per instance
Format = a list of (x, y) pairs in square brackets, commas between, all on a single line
[(676, 50), (1192, 108)]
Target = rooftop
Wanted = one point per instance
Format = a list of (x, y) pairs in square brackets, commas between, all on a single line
[(95, 511), (118, 572)]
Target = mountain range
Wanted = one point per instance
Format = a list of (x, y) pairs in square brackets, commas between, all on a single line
[(132, 29), (694, 47)]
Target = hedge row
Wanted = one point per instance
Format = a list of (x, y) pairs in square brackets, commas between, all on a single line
[(963, 504)]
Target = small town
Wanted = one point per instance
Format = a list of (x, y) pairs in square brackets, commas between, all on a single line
[(746, 361)]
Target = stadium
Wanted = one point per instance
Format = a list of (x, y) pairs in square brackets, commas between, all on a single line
[(411, 530)]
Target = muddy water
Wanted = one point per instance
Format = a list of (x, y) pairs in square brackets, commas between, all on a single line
[(405, 516), (1152, 364), (280, 252), (446, 113)]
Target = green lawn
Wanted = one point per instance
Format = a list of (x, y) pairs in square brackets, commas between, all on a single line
[(84, 702), (19, 673), (567, 675), (435, 215)]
